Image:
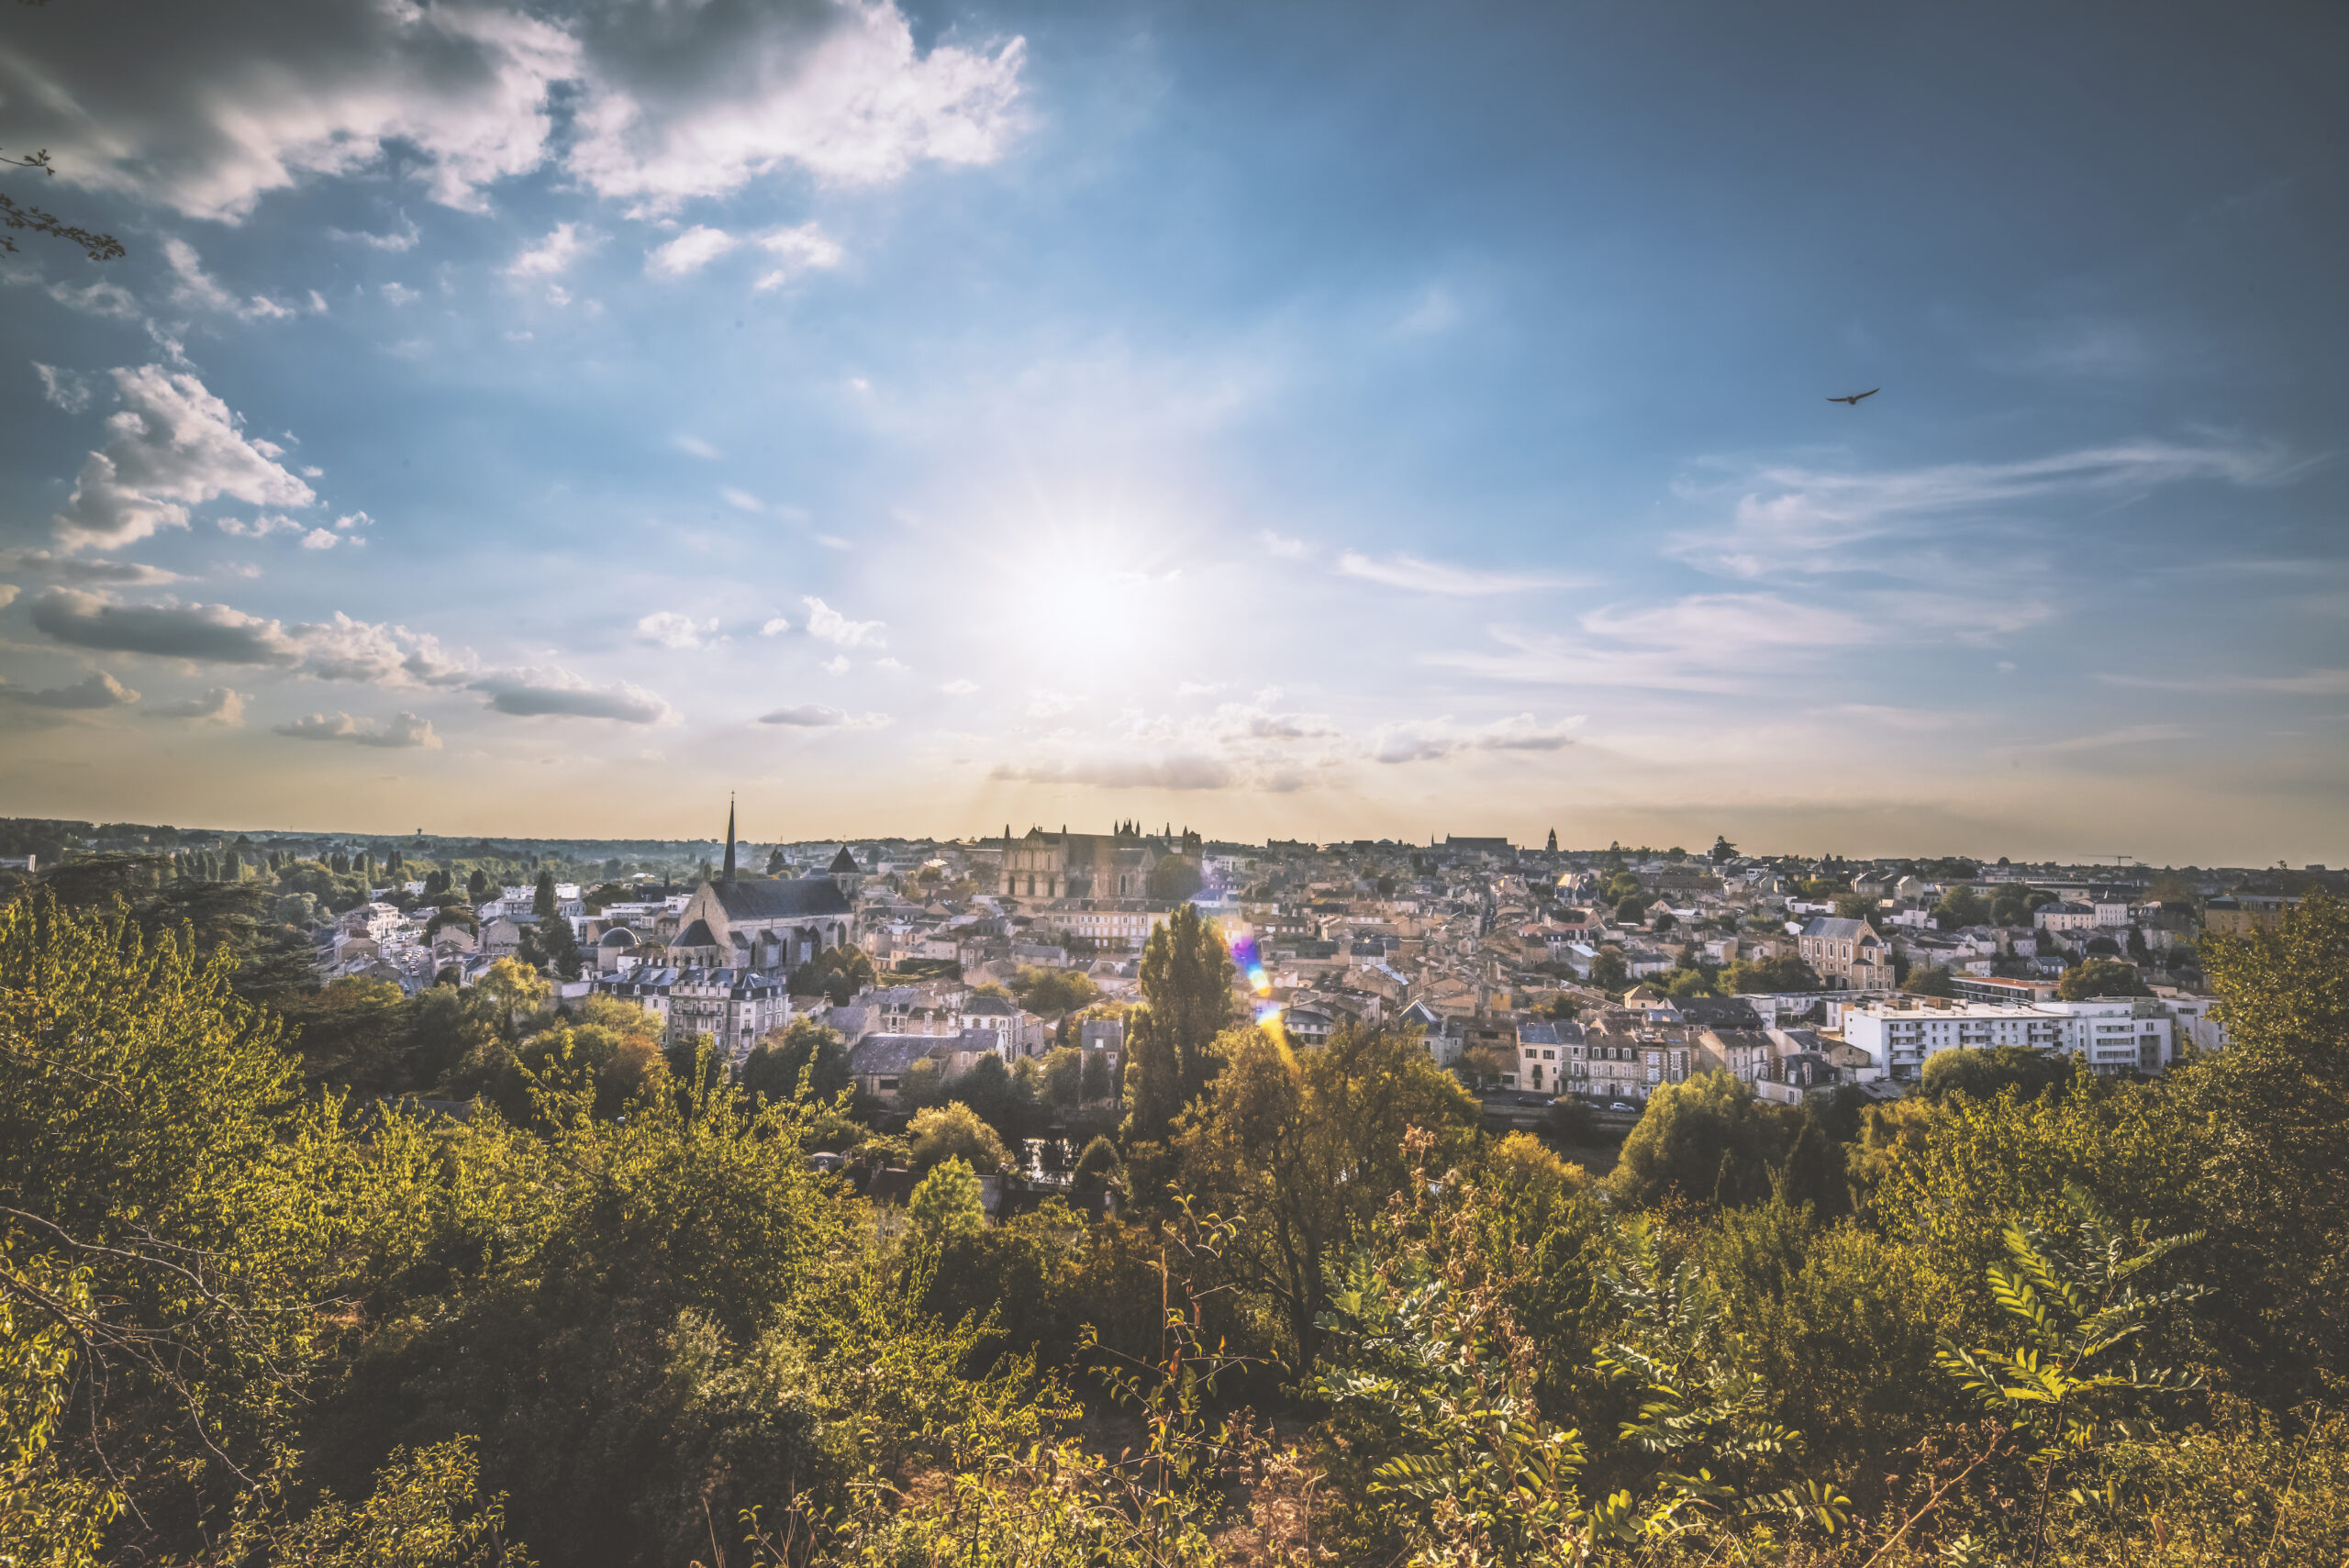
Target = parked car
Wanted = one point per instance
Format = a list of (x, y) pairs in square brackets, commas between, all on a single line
[(1619, 1106)]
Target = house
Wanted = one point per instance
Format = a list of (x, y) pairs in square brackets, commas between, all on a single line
[(1847, 954)]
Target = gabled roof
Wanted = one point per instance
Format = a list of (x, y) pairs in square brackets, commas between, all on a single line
[(1833, 930), (697, 935), (844, 861), (773, 900)]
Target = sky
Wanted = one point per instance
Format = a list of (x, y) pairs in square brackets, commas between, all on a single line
[(1285, 420)]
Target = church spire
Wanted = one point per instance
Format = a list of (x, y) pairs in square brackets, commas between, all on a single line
[(728, 874)]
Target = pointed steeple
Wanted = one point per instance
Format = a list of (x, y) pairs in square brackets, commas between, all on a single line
[(728, 874)]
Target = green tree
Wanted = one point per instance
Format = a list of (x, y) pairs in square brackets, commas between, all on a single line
[(1766, 977), (1959, 907), (1174, 880), (776, 1065), (947, 1203), (543, 901), (1723, 850), (1298, 1151), (1050, 991), (1985, 1074), (955, 1132), (1187, 1003), (2101, 977), (1608, 971), (1706, 1140), (1855, 906), (1929, 980)]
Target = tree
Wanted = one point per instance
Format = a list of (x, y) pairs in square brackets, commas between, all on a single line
[(1051, 991), (1855, 906), (2074, 1303), (776, 1065), (1097, 1171), (1299, 1150), (1174, 880), (1722, 850), (1064, 1077), (1632, 908), (2101, 977), (948, 1203), (956, 1132), (1706, 1140), (1768, 977), (776, 864), (1961, 906), (1987, 1073), (1187, 1003), (1608, 971), (1929, 980), (542, 900), (612, 1045), (837, 974)]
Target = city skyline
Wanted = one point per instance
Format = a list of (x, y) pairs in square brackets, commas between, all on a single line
[(536, 422)]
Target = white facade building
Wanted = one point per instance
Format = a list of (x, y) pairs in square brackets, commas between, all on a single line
[(2120, 1034)]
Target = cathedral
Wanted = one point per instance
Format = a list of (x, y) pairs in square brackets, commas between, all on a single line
[(1089, 865), (738, 922)]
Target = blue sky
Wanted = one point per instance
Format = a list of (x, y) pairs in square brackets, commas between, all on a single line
[(1289, 420)]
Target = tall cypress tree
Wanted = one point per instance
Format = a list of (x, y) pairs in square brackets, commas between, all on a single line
[(1186, 992), (542, 900)]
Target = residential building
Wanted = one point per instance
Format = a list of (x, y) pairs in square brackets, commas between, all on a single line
[(736, 1007), (1845, 954)]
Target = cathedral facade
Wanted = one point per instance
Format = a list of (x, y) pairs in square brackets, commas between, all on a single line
[(1089, 865)]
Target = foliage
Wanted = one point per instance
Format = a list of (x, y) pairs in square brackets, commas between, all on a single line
[(1930, 979), (1766, 977), (956, 1132), (1706, 1140), (1187, 991), (2074, 1303), (1050, 991), (423, 1513), (2101, 977), (1174, 880), (946, 1204), (835, 974), (806, 1053), (1987, 1074), (1297, 1152)]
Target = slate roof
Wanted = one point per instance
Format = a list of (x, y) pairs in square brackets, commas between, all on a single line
[(697, 935), (1838, 930), (844, 861), (1719, 1012), (769, 899)]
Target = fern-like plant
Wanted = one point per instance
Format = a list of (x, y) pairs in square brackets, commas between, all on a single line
[(2076, 1302)]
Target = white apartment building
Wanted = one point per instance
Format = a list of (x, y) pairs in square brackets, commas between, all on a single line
[(2120, 1034)]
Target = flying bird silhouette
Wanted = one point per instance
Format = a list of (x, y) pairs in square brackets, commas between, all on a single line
[(1854, 399)]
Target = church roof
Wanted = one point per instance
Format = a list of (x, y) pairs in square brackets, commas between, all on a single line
[(769, 900), (844, 861), (697, 935)]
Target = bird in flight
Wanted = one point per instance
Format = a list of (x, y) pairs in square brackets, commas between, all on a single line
[(1854, 399)]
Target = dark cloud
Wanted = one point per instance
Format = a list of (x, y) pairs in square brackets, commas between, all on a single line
[(213, 633), (68, 569), (559, 694), (218, 703)]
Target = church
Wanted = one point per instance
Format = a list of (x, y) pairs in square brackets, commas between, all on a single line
[(1089, 865), (738, 922)]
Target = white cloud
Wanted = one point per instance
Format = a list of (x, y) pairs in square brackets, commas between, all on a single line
[(2127, 735), (1431, 739), (670, 630), (700, 101), (1788, 517), (336, 649), (689, 253), (63, 389), (8, 591), (698, 448), (829, 625), (1433, 577), (832, 542), (741, 499), (400, 732), (96, 690), (775, 627), (2308, 682), (959, 688), (197, 289), (1050, 705), (400, 293), (403, 238), (322, 539), (1435, 312), (1175, 772), (216, 704), (552, 256), (75, 568), (804, 248), (172, 445), (816, 715), (836, 665), (1281, 546)]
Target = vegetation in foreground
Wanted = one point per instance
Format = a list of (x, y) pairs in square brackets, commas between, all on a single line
[(616, 1317)]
